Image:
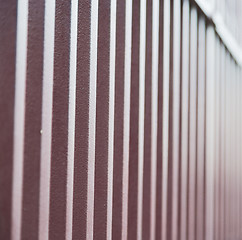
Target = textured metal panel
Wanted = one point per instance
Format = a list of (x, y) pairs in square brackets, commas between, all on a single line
[(120, 120)]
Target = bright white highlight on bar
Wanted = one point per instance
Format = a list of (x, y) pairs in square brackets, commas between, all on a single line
[(210, 138), (111, 117), (176, 115), (126, 123), (184, 116), (92, 119), (19, 116), (45, 159), (71, 118), (154, 114), (165, 126), (142, 51)]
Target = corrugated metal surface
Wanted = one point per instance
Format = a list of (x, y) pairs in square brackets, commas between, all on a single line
[(120, 120)]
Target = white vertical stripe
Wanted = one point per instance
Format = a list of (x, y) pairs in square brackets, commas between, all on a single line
[(126, 123), (45, 159), (165, 126), (176, 113), (92, 119), (227, 141), (217, 136), (184, 117), (210, 138), (223, 139), (192, 123), (19, 116), (237, 207), (142, 51), (71, 117), (111, 117), (200, 129), (154, 113)]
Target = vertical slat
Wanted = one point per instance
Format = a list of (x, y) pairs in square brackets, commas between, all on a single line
[(59, 145), (8, 29), (102, 120), (200, 130), (192, 125), (92, 119), (184, 117), (165, 127), (176, 115), (46, 129), (142, 56), (134, 115), (82, 121), (158, 223), (34, 80), (210, 108), (111, 117), (126, 121), (147, 126), (222, 146), (71, 118), (154, 114), (227, 142), (19, 117), (118, 163), (217, 139), (237, 168)]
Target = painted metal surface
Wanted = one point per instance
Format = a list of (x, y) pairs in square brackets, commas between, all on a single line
[(120, 120)]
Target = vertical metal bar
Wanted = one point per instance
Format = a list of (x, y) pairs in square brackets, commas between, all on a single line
[(227, 143), (154, 114), (127, 82), (81, 121), (92, 119), (192, 125), (166, 80), (184, 116), (59, 144), (147, 126), (33, 114), (223, 137), (8, 29), (102, 121), (210, 137), (45, 159), (217, 137), (223, 140), (19, 117), (111, 117), (118, 122), (142, 51), (176, 115), (200, 131), (71, 118)]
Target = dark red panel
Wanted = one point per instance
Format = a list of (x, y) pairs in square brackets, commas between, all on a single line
[(102, 117), (134, 116), (8, 21), (147, 126), (33, 114), (81, 128), (60, 122), (118, 122)]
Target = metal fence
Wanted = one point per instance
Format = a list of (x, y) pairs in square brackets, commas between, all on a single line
[(120, 119)]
